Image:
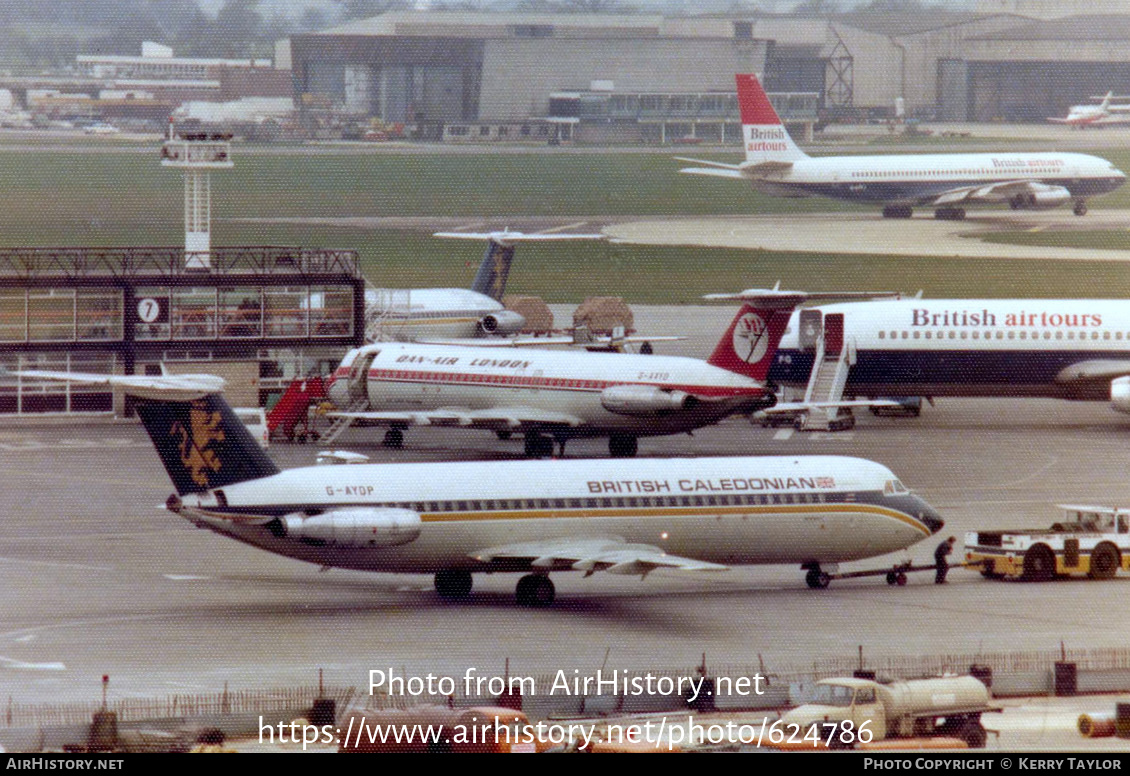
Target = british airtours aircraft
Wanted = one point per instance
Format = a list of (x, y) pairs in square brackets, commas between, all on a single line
[(552, 396), (899, 182), (530, 517), (1056, 348)]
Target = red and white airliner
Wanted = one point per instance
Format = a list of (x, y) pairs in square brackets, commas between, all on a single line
[(1101, 115), (947, 182), (556, 395)]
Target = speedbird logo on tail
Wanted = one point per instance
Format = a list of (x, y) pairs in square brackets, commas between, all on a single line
[(204, 428)]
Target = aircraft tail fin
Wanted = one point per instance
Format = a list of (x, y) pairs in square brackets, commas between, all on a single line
[(751, 340), (494, 271), (202, 443), (766, 139)]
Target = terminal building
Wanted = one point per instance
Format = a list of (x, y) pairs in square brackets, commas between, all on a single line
[(256, 316)]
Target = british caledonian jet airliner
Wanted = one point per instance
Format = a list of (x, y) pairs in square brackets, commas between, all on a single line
[(1060, 348), (412, 315), (537, 517), (556, 395), (899, 182)]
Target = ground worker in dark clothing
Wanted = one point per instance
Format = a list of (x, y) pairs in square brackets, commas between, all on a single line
[(941, 560)]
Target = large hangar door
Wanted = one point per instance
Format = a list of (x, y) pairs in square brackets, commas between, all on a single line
[(953, 91)]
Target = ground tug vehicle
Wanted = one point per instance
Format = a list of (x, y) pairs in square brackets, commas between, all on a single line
[(1088, 540)]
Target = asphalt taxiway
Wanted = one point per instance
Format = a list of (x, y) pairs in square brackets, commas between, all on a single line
[(95, 578)]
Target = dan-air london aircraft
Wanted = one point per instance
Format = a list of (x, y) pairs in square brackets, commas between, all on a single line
[(1101, 115), (412, 315), (537, 517), (947, 182), (1058, 348), (555, 395)]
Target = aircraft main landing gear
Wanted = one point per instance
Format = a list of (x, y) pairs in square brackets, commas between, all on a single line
[(1080, 208), (622, 446), (898, 211), (394, 439), (538, 446), (453, 583), (950, 214), (535, 590), (817, 579)]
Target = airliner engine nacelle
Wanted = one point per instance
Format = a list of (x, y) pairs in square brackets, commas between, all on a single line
[(359, 527), (1120, 394), (502, 322), (1041, 197), (1054, 197), (643, 400)]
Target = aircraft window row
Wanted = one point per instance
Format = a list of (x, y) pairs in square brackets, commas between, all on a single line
[(879, 174), (1000, 335), (619, 502)]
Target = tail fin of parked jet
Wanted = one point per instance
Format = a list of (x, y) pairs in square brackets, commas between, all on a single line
[(750, 343), (202, 444), (766, 140), (495, 269)]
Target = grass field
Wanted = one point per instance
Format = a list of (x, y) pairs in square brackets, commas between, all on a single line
[(50, 198)]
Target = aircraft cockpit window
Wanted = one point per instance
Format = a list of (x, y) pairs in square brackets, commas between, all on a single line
[(894, 488)]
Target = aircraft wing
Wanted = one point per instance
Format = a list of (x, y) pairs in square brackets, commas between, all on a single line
[(997, 192), (534, 342), (1093, 371), (718, 172), (495, 419), (610, 554), (793, 407), (166, 387)]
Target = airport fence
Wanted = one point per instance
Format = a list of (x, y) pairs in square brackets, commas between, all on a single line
[(1017, 673), (181, 705)]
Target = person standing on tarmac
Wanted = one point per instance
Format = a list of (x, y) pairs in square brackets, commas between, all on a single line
[(941, 560)]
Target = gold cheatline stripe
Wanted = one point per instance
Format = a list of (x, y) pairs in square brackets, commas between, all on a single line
[(447, 517)]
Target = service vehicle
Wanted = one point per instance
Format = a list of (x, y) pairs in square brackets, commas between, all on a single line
[(846, 711), (1088, 540)]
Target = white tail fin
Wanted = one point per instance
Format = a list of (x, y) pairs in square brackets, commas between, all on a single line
[(766, 139)]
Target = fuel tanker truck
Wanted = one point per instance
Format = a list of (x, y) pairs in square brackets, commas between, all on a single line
[(846, 712)]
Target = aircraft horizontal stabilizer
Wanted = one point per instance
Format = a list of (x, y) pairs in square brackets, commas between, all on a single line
[(708, 163), (610, 554), (759, 169), (776, 298), (506, 237), (157, 387), (716, 172)]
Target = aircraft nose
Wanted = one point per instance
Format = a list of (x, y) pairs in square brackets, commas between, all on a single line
[(930, 517)]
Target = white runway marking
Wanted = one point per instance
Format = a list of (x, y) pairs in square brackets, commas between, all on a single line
[(184, 577), (19, 664)]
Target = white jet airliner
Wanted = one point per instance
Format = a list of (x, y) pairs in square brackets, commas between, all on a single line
[(536, 517), (1059, 348), (900, 182), (411, 315), (556, 395), (1101, 115)]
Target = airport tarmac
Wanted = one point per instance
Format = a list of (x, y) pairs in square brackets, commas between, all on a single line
[(95, 578), (871, 234)]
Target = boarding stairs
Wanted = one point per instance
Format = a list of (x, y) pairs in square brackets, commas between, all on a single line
[(826, 385), (341, 424)]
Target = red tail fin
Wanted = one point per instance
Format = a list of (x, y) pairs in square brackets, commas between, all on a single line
[(753, 102), (750, 342)]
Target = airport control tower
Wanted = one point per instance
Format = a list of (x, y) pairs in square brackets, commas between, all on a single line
[(197, 153)]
